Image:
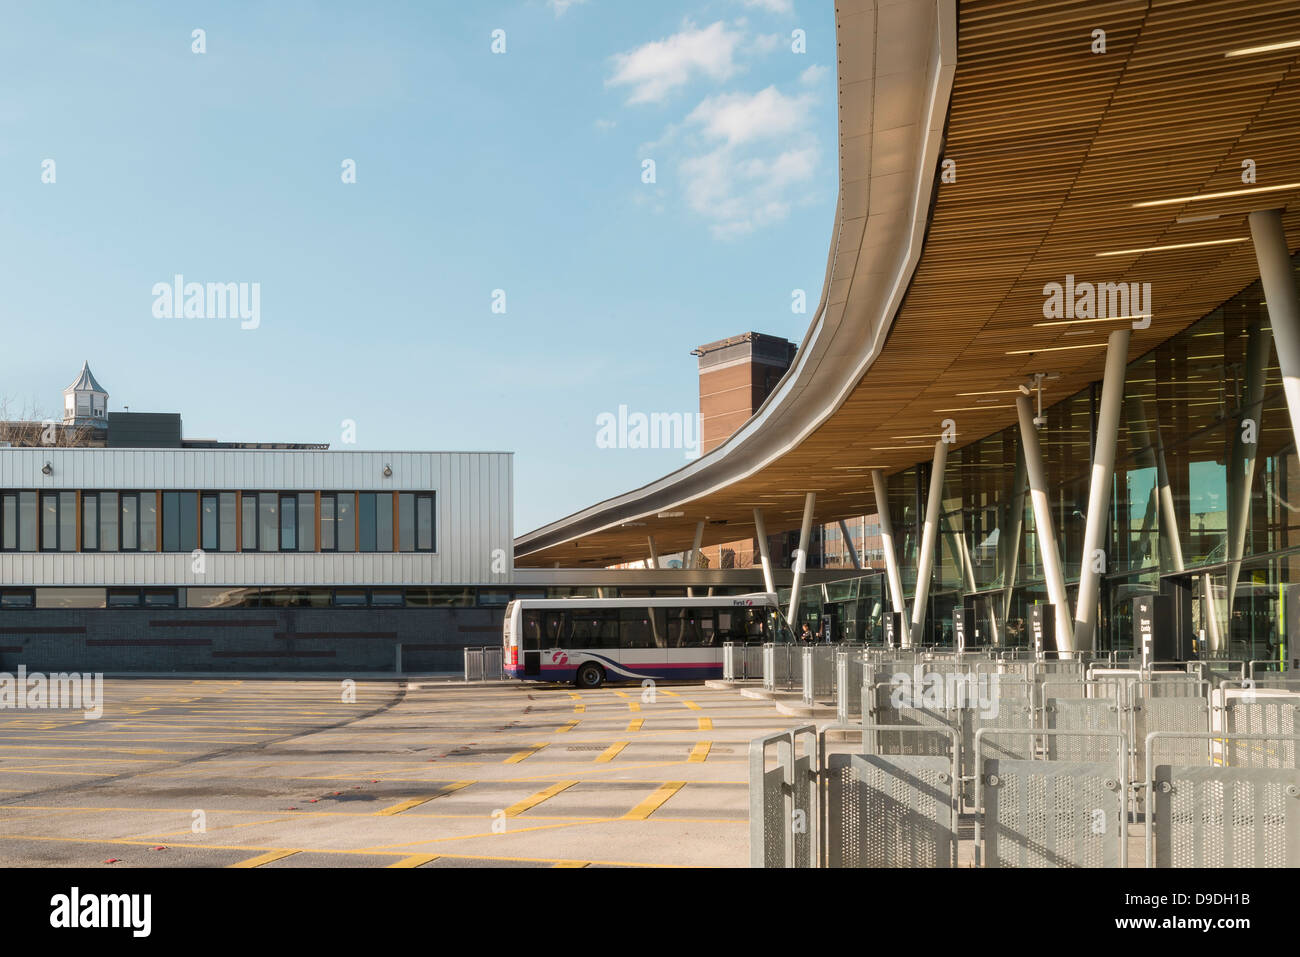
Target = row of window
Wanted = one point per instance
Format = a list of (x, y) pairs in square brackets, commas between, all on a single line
[(217, 521)]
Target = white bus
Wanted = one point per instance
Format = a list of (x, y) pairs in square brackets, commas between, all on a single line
[(593, 640)]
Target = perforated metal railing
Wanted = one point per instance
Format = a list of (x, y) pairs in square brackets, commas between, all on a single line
[(1207, 814), (817, 672), (782, 667), (742, 661), (1040, 800), (484, 664)]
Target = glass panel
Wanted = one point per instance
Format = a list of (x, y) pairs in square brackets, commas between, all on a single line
[(346, 534), (148, 522), (268, 522), (210, 540), (9, 508), (406, 521), (439, 597), (171, 521), (288, 523), (27, 521), (350, 597), (220, 597), (424, 523), (130, 525), (386, 598), (22, 598), (493, 597), (160, 598), (367, 522), (108, 516), (227, 520), (124, 597), (384, 522), (307, 522), (49, 521), (248, 512), (70, 598), (327, 523), (67, 521), (90, 522), (189, 532)]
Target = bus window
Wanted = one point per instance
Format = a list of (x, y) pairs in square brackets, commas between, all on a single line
[(555, 629), (637, 629), (532, 631), (685, 627), (593, 628)]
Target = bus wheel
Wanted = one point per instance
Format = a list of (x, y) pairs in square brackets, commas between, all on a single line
[(590, 676)]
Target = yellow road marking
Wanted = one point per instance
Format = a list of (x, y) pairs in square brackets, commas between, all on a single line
[(521, 755), (527, 803), (654, 801), (571, 863), (416, 802), (612, 752), (568, 727), (266, 858), (700, 752), (579, 707), (691, 704), (415, 860), (706, 724), (635, 725)]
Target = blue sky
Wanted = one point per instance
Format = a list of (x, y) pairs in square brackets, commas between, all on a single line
[(475, 172)]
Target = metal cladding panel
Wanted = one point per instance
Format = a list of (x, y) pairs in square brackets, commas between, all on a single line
[(474, 514)]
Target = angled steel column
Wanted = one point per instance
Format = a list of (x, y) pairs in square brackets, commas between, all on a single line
[(887, 543), (1044, 527), (1103, 474), (1009, 545), (801, 558), (848, 541), (654, 553), (1278, 277), (760, 531), (693, 557), (925, 557), (1241, 470)]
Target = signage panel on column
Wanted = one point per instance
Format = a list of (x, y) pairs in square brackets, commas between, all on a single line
[(960, 628), (893, 628), (1292, 619), (1042, 629), (1144, 628)]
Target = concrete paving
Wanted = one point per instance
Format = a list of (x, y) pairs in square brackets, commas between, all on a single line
[(263, 773)]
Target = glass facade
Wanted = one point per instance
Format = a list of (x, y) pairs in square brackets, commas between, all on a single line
[(1204, 498)]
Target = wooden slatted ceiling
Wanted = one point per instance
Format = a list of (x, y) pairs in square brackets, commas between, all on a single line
[(1053, 145)]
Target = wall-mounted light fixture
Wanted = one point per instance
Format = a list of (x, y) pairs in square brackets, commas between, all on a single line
[(47, 469), (388, 471)]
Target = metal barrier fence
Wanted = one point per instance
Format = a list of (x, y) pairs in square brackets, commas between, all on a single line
[(817, 672), (848, 682), (742, 661), (484, 664), (1051, 772), (782, 667), (783, 805), (1208, 815)]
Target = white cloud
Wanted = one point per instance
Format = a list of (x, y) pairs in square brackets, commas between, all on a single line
[(772, 6), (742, 194), (561, 6), (656, 69), (754, 157), (813, 75), (767, 42), (741, 118)]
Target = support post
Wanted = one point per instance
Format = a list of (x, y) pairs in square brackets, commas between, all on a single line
[(887, 543), (1103, 474), (760, 532), (1009, 545), (1043, 524), (654, 552), (801, 558), (693, 556), (1241, 471), (925, 557), (848, 541), (1278, 278)]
